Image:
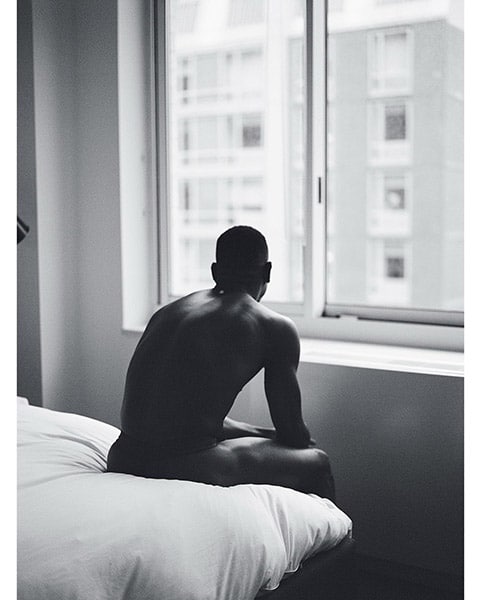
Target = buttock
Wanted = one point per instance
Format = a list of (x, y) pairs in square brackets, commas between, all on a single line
[(132, 456)]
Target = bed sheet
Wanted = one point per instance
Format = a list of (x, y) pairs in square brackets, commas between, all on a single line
[(86, 534)]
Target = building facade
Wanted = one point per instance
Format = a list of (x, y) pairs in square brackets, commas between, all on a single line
[(394, 145)]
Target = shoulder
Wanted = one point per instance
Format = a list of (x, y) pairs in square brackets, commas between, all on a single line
[(282, 338)]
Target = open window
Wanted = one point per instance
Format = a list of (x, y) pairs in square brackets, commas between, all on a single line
[(337, 133)]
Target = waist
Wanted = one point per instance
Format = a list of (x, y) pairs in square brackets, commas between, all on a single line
[(168, 447)]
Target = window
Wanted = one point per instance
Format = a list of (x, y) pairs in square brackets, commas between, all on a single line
[(396, 201), (394, 193), (251, 131), (389, 131), (389, 210), (245, 12), (196, 255), (395, 122), (389, 67), (395, 267), (200, 200), (236, 125), (388, 280), (331, 136)]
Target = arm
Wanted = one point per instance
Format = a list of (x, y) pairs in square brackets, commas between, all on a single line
[(281, 385), (236, 429)]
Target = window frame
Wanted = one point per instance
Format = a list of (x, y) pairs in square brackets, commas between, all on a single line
[(440, 321), (314, 317)]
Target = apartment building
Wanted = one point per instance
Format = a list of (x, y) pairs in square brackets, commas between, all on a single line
[(396, 166), (394, 145)]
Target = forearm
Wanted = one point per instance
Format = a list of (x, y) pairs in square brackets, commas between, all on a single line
[(295, 437), (236, 429)]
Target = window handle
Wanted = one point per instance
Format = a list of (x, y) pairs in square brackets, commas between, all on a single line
[(319, 190)]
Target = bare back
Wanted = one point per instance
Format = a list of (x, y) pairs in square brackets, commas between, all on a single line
[(194, 357)]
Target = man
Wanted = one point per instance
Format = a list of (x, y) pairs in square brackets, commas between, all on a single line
[(194, 357)]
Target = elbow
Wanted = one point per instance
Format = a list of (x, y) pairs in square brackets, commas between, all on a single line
[(299, 445), (299, 440)]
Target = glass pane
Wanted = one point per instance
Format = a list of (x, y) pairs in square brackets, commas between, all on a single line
[(394, 198), (236, 126), (396, 55), (395, 154), (395, 122)]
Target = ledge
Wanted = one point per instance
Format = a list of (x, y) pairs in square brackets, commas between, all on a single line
[(382, 357)]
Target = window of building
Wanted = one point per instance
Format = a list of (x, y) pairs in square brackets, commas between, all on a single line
[(395, 267), (388, 278), (394, 193), (208, 200), (236, 107), (251, 63), (207, 76), (246, 12), (389, 131), (395, 122), (196, 254), (251, 194), (389, 210), (222, 76), (389, 61), (325, 152), (251, 131), (390, 224)]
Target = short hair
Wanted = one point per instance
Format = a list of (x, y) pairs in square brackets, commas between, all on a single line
[(241, 248)]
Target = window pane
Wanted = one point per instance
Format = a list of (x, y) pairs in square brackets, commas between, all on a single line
[(236, 127), (395, 51), (395, 154), (251, 131), (394, 193), (395, 122)]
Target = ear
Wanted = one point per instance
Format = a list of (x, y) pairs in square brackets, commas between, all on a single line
[(213, 270), (267, 272)]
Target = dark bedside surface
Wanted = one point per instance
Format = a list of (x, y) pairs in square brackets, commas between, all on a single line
[(326, 576)]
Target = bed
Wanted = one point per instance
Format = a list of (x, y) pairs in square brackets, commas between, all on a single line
[(84, 534)]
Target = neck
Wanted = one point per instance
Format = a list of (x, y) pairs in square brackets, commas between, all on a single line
[(255, 290)]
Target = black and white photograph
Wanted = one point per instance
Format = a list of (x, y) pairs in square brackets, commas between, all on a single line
[(237, 351)]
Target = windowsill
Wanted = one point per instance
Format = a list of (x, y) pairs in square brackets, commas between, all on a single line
[(382, 357)]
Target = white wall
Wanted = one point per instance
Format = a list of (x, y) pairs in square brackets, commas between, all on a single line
[(105, 349), (395, 439), (79, 344)]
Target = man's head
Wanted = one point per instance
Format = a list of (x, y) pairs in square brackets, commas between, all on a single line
[(241, 260)]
